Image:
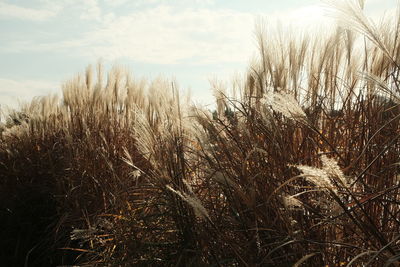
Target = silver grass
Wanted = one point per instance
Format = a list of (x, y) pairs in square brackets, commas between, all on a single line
[(292, 202), (350, 14), (193, 201), (331, 167), (286, 104), (318, 177)]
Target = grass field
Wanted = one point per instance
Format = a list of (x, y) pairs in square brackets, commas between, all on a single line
[(297, 165)]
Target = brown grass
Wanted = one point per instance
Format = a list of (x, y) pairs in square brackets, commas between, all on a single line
[(299, 165)]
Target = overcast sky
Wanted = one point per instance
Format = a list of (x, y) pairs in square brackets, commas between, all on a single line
[(45, 42)]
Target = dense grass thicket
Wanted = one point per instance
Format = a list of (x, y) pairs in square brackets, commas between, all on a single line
[(299, 164)]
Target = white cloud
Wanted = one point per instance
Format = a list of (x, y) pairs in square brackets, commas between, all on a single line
[(115, 3), (161, 35), (165, 34), (90, 10), (169, 2), (47, 9), (168, 35), (14, 92), (18, 12), (305, 16)]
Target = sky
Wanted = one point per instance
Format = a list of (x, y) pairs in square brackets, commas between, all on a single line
[(43, 43)]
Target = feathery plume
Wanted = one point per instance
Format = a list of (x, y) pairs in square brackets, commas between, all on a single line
[(193, 201), (286, 104), (316, 176), (331, 167), (291, 201)]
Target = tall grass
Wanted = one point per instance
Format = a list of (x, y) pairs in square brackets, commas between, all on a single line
[(298, 165)]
